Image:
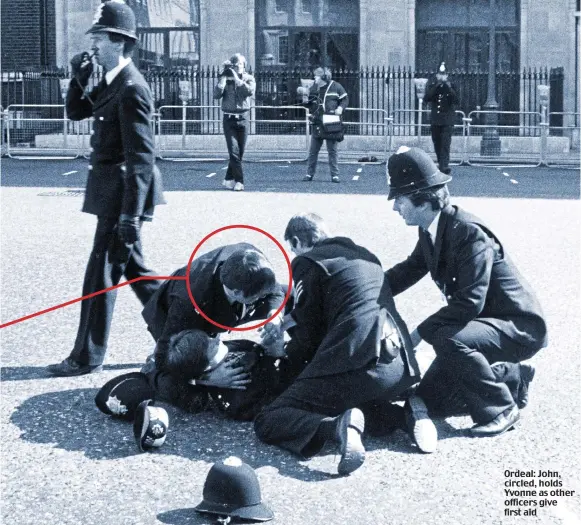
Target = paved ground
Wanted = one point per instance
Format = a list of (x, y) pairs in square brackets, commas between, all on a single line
[(63, 462)]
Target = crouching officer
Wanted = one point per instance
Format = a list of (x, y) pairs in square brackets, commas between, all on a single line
[(443, 100), (123, 185), (490, 312)]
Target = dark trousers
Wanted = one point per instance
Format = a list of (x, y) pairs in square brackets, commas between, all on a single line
[(236, 133), (103, 271), (332, 150), (442, 139), (293, 419), (464, 356)]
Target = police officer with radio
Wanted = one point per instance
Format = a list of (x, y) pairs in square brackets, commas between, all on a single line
[(123, 185), (443, 99), (235, 89)]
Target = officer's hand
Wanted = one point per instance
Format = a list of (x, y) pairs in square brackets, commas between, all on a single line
[(272, 330), (226, 375), (128, 228), (275, 348), (82, 67), (339, 111)]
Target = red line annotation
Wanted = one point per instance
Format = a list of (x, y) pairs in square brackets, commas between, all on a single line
[(145, 278)]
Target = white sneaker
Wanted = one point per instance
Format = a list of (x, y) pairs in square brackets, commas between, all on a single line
[(228, 184), (238, 187)]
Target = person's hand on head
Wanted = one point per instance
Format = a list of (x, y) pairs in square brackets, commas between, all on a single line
[(226, 375)]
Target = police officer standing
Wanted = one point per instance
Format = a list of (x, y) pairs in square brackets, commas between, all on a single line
[(123, 185), (236, 89), (443, 100)]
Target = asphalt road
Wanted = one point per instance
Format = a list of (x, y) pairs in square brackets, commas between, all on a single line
[(63, 462)]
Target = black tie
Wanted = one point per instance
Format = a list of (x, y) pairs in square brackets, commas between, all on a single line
[(429, 242)]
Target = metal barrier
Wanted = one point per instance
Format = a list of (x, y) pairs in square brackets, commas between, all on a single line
[(40, 131), (3, 115), (411, 127), (524, 141), (198, 130), (372, 131), (566, 152)]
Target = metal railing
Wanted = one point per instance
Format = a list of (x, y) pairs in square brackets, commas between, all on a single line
[(40, 131)]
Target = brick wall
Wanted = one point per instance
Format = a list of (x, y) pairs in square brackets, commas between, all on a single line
[(28, 34)]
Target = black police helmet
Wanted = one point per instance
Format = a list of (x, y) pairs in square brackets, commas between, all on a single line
[(115, 16), (121, 395), (411, 170), (232, 489)]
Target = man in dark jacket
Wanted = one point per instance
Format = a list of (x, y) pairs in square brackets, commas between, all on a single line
[(327, 99), (443, 99), (123, 185), (490, 313), (235, 89), (232, 285), (350, 354)]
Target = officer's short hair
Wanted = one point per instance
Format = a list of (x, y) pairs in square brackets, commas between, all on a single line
[(249, 272), (128, 43), (437, 196), (309, 228), (190, 353)]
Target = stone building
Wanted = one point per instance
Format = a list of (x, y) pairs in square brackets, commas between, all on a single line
[(301, 33)]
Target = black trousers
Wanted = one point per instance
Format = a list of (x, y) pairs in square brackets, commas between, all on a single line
[(442, 139), (293, 419), (236, 133), (104, 270), (464, 356)]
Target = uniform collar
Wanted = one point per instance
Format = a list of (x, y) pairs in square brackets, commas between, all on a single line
[(110, 75), (432, 229)]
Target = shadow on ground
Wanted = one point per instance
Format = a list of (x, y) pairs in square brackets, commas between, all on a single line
[(70, 420), (25, 373)]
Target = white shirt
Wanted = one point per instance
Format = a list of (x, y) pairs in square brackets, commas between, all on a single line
[(433, 227), (110, 75)]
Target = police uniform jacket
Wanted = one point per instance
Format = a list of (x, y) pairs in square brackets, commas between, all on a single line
[(443, 100), (122, 177), (477, 278), (339, 318), (170, 309)]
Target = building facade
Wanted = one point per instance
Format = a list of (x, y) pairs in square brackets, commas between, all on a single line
[(289, 34)]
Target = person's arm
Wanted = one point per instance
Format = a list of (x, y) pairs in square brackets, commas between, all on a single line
[(219, 88), (246, 84), (343, 99), (474, 254), (431, 91), (407, 273), (308, 310), (180, 316)]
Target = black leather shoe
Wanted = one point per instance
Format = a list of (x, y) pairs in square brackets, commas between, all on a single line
[(349, 430), (499, 425), (69, 367), (446, 170), (527, 373), (419, 425)]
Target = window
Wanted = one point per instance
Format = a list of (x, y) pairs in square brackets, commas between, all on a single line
[(280, 6), (307, 6), (283, 49)]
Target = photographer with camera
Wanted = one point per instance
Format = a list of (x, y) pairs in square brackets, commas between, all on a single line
[(235, 88), (327, 100)]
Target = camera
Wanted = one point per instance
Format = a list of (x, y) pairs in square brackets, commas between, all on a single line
[(228, 69)]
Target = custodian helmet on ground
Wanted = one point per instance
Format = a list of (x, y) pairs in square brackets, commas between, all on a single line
[(411, 170), (115, 16), (232, 489), (121, 395), (150, 426)]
